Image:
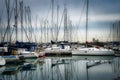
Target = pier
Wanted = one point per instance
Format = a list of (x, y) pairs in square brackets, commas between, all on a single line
[(58, 53)]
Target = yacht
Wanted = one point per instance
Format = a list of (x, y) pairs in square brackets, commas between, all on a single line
[(93, 51)]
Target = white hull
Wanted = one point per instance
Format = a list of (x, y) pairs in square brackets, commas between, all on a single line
[(11, 58), (92, 51), (28, 54), (2, 61), (56, 50)]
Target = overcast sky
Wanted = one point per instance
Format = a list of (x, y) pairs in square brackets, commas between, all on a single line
[(102, 13), (107, 10)]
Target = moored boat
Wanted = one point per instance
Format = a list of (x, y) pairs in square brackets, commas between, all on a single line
[(27, 54), (2, 61), (93, 51), (13, 58)]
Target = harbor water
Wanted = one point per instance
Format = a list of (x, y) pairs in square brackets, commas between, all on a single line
[(64, 68)]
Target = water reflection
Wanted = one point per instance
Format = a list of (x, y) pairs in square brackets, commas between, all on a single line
[(64, 68)]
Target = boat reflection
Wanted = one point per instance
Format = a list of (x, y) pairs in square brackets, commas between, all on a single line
[(2, 69), (55, 62), (28, 66), (64, 68)]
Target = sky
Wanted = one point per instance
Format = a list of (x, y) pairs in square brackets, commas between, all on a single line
[(102, 13)]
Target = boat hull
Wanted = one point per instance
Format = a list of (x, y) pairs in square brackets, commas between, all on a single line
[(2, 61), (94, 52)]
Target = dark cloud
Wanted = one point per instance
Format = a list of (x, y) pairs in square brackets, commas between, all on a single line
[(105, 6)]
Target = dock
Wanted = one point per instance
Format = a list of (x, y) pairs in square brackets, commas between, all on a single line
[(58, 53), (82, 54)]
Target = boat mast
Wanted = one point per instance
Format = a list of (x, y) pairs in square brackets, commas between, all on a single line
[(45, 31), (65, 24), (16, 18), (87, 20), (57, 21), (21, 14), (41, 25), (52, 18)]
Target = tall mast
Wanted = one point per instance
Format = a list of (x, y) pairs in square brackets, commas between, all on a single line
[(87, 20), (45, 31), (29, 23), (21, 14), (113, 34), (119, 32), (41, 30), (36, 29), (65, 24), (57, 21), (16, 18), (52, 18)]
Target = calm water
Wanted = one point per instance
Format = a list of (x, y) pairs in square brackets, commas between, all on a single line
[(64, 68)]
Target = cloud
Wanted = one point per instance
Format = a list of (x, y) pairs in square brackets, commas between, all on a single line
[(104, 18)]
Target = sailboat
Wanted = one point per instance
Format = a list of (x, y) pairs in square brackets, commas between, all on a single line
[(27, 54), (92, 50)]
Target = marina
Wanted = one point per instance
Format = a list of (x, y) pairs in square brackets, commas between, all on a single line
[(59, 40)]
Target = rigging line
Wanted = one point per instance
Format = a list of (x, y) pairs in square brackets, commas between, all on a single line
[(26, 34), (60, 23), (2, 11), (48, 12), (12, 9), (109, 36), (9, 19), (40, 21), (81, 13), (26, 21), (29, 22), (31, 27), (7, 8), (79, 22), (11, 33), (10, 15), (18, 9)]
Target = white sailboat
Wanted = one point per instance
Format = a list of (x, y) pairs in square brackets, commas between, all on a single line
[(91, 50), (2, 61), (27, 54)]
